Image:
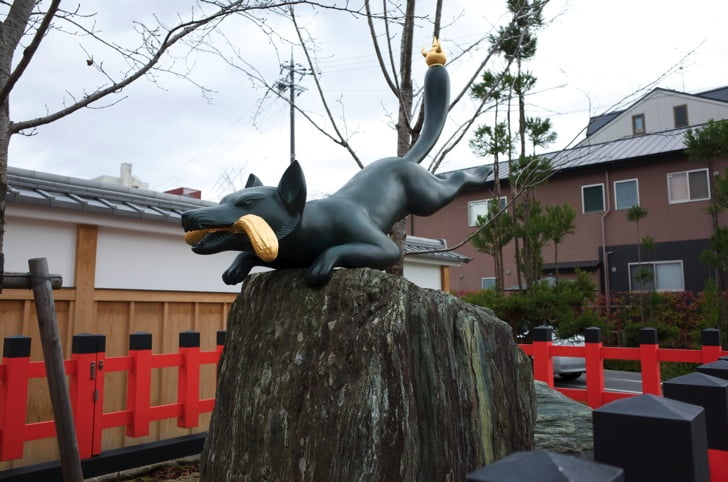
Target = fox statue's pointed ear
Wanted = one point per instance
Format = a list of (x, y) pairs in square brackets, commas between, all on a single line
[(292, 188), (253, 181)]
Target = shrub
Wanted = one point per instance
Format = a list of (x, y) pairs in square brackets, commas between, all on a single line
[(567, 306), (678, 317)]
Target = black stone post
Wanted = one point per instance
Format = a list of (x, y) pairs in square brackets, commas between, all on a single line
[(544, 465), (718, 368), (711, 393), (708, 392), (653, 439)]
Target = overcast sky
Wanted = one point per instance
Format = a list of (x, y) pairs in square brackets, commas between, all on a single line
[(591, 55)]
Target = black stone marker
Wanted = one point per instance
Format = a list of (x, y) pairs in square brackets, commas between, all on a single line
[(708, 392), (545, 466), (653, 439), (718, 368)]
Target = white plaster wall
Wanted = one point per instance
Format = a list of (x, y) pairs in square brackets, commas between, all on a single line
[(133, 254), (31, 238), (156, 261), (423, 275)]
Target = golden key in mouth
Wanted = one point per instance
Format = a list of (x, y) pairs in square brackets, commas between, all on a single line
[(262, 237)]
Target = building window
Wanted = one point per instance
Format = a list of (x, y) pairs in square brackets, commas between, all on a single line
[(592, 198), (638, 124), (481, 208), (688, 186), (487, 283), (658, 276), (626, 194), (680, 113)]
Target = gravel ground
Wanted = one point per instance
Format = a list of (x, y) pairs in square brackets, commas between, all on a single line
[(183, 470)]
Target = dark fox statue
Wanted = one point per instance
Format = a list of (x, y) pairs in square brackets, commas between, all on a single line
[(347, 229)]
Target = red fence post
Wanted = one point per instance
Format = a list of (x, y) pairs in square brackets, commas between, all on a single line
[(649, 361), (14, 396), (220, 345), (594, 362), (188, 379), (139, 384), (543, 366), (99, 393), (710, 339), (84, 394)]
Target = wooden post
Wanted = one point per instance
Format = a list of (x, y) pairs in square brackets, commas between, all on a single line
[(543, 364), (710, 338), (53, 356), (594, 366), (188, 379), (14, 396), (139, 384), (650, 362)]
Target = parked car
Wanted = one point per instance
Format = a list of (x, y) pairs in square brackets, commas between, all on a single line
[(569, 367)]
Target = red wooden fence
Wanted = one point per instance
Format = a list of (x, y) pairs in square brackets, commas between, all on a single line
[(86, 370), (88, 365), (649, 354)]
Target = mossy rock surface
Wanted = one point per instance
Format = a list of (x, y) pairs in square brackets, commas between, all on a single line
[(366, 378)]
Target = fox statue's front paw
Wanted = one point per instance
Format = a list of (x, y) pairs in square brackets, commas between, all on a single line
[(239, 268), (319, 272)]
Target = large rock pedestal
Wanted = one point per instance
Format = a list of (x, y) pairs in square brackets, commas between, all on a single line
[(368, 378)]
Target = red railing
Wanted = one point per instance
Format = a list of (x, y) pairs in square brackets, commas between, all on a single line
[(86, 371), (649, 354), (88, 365)]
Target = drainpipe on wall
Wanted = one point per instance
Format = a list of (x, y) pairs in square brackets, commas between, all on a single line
[(605, 257)]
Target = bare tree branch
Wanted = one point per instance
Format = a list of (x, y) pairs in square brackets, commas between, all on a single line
[(342, 141), (30, 50), (172, 37), (391, 82)]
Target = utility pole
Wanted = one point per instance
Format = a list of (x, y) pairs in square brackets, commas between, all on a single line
[(289, 82)]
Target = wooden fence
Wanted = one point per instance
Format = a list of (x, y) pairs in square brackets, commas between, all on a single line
[(649, 354), (87, 370), (116, 314), (96, 418)]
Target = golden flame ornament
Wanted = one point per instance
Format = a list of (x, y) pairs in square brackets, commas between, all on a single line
[(435, 55)]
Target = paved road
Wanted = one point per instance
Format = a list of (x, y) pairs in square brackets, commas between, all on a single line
[(613, 380)]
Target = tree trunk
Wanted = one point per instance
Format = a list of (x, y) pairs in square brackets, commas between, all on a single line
[(367, 378), (11, 31), (720, 276), (404, 125), (4, 146)]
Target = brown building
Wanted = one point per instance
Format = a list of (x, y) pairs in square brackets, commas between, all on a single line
[(630, 157)]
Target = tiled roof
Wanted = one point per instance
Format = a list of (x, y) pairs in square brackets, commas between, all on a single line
[(599, 121), (612, 151), (43, 189), (62, 192), (621, 149), (423, 247), (720, 94)]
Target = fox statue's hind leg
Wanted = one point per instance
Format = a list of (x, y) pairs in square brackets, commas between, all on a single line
[(435, 191)]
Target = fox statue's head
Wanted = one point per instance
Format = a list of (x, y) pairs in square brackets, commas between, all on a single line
[(210, 229)]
